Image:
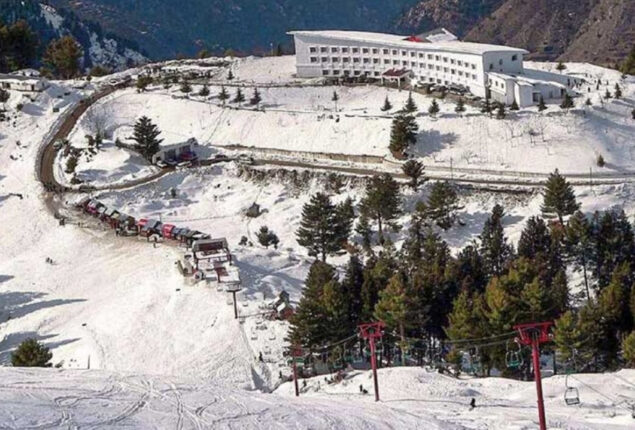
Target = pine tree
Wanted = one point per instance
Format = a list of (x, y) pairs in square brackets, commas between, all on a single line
[(559, 197), (567, 337), (541, 105), (143, 81), (588, 102), (535, 239), (578, 245), (495, 250), (561, 66), (536, 301), (628, 65), (434, 109), (469, 270), (63, 56), (377, 273), (628, 348), (352, 285), (487, 106), (403, 133), (267, 237), (71, 164), (186, 88), (460, 106), (567, 102), (607, 94), (410, 106), (146, 136), (500, 112), (414, 170), (387, 105), (514, 106), (31, 353), (204, 92), (239, 97), (256, 99), (618, 91), (392, 307), (223, 96), (363, 229), (612, 236), (382, 202), (322, 230), (230, 75), (4, 96), (442, 205)]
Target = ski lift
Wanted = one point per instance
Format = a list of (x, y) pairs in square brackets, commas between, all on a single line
[(514, 359), (571, 394), (475, 361)]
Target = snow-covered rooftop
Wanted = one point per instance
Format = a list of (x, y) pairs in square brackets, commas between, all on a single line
[(401, 41)]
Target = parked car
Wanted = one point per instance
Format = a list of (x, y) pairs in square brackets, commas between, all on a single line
[(245, 159)]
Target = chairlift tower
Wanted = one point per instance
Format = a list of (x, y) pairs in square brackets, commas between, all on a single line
[(372, 331), (234, 288), (533, 334)]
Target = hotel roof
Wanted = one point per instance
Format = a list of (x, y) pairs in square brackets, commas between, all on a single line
[(404, 42)]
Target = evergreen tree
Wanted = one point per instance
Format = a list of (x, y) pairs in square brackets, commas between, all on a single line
[(146, 136), (410, 106), (335, 99), (460, 106), (352, 286), (442, 205), (143, 81), (434, 108), (382, 202), (31, 353), (628, 65), (321, 230), (541, 104), (559, 197), (470, 270), (223, 96), (500, 112), (628, 347), (377, 273), (363, 229), (335, 302), (230, 75), (567, 102), (71, 164), (414, 170), (392, 307), (186, 88), (567, 336), (63, 56), (239, 97), (403, 133), (607, 94), (18, 46), (618, 91), (588, 102), (4, 96), (613, 244), (256, 99), (204, 92), (267, 237), (461, 321), (487, 106), (578, 245), (495, 250), (514, 106), (387, 105), (561, 66), (535, 239)]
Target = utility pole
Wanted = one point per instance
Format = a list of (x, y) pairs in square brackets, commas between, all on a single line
[(296, 353), (372, 331), (533, 334), (234, 288)]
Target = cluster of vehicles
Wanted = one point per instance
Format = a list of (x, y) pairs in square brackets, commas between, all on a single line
[(126, 225)]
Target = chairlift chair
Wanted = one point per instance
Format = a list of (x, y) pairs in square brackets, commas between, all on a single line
[(513, 359), (571, 394)]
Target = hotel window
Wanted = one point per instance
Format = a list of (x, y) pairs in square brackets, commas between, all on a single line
[(445, 59), (460, 73), (500, 62), (437, 57), (334, 49), (375, 60), (312, 49), (473, 66), (335, 59), (325, 72), (375, 51), (346, 72), (452, 71), (514, 57), (404, 53), (452, 61), (346, 60), (355, 50), (314, 59), (421, 55), (445, 70), (345, 50), (413, 63), (364, 50), (430, 67), (386, 61), (324, 49), (376, 73), (385, 51), (474, 77), (431, 79), (438, 68), (336, 72), (413, 54), (366, 60), (460, 63), (355, 59), (394, 52), (422, 65), (429, 56), (395, 62), (325, 59), (404, 63)]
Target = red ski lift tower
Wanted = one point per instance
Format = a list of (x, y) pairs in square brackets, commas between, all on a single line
[(372, 331), (533, 334)]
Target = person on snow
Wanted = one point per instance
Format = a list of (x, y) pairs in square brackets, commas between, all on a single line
[(472, 403)]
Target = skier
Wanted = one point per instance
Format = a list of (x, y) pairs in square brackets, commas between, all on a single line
[(260, 357), (472, 403)]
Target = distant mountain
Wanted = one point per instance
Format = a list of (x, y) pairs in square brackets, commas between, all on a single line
[(166, 28), (48, 23), (598, 31)]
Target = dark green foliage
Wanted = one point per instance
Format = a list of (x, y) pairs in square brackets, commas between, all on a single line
[(600, 161), (377, 272), (18, 46), (143, 81), (414, 170), (31, 353), (387, 105), (4, 96), (239, 97), (613, 244), (500, 111), (381, 202), (267, 237), (364, 230), (541, 104), (441, 206), (325, 228), (495, 250), (578, 245), (559, 198), (146, 136), (255, 99), (460, 106), (410, 106), (607, 94), (618, 91), (470, 270), (567, 102), (62, 56), (403, 134), (71, 164), (561, 66), (487, 106), (628, 65), (434, 108), (204, 92), (223, 95), (186, 88), (230, 75), (535, 239)]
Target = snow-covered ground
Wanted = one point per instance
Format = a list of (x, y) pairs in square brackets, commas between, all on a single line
[(411, 399), (120, 307)]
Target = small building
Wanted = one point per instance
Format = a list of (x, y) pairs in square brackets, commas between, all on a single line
[(216, 250), (22, 83), (396, 75), (176, 153)]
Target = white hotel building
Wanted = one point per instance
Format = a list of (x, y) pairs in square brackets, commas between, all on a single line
[(437, 57)]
